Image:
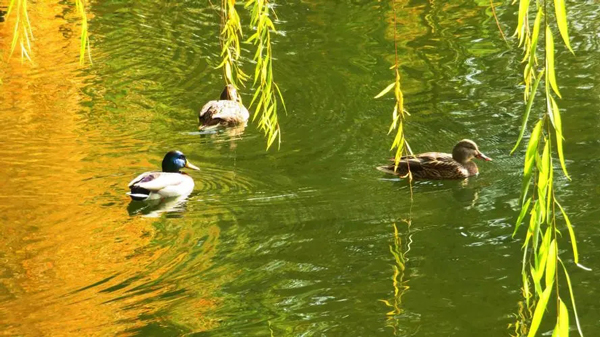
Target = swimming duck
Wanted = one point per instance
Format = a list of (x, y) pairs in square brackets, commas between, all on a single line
[(169, 183), (227, 111), (437, 165)]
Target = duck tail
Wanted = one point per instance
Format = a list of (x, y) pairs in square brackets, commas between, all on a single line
[(389, 169), (208, 127), (138, 196), (138, 193)]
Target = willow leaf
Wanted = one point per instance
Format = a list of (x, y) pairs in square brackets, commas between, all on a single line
[(551, 264), (530, 159), (544, 171), (524, 209), (572, 297), (280, 97), (523, 9), (527, 111), (386, 90), (563, 320), (537, 285), (559, 136), (571, 232), (532, 223), (539, 312), (541, 260), (535, 36), (550, 60), (561, 20)]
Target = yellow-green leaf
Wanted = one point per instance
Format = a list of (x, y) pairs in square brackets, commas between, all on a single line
[(561, 20), (572, 297), (539, 312), (527, 111), (536, 34), (530, 159), (559, 136), (551, 264), (563, 320), (523, 9), (571, 232), (524, 209), (386, 90), (550, 61)]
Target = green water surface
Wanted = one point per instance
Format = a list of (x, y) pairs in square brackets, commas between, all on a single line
[(295, 241)]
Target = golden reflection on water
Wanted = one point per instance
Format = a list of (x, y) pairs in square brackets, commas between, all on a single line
[(70, 264)]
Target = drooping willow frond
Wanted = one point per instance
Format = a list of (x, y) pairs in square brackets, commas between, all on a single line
[(541, 247), (85, 40), (231, 34), (22, 33), (399, 114), (267, 91)]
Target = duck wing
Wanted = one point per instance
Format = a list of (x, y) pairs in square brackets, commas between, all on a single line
[(156, 181)]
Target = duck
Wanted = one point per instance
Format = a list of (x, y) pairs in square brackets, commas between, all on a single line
[(439, 165), (227, 111), (168, 183)]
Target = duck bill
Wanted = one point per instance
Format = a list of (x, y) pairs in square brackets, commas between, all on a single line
[(191, 166), (483, 156)]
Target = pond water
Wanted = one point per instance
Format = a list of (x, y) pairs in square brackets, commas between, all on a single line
[(290, 242)]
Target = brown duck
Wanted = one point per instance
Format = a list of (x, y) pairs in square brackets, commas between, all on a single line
[(437, 165), (227, 111)]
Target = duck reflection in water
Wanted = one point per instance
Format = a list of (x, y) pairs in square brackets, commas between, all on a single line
[(154, 208)]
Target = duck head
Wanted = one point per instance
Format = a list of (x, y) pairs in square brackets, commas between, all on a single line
[(230, 94), (465, 150), (175, 161)]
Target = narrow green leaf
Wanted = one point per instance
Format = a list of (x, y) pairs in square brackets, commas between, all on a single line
[(535, 35), (280, 97), (555, 331), (539, 312), (561, 20), (386, 90), (550, 61), (551, 264), (523, 9), (541, 259), (572, 297), (530, 156), (543, 178), (228, 72), (527, 111), (563, 320), (394, 120), (537, 285), (545, 164), (571, 232), (532, 222), (524, 209), (10, 8), (559, 136)]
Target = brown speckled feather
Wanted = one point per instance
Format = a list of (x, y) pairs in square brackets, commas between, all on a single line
[(222, 112)]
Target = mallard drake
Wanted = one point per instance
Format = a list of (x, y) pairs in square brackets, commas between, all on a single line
[(437, 165), (169, 183), (227, 111)]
